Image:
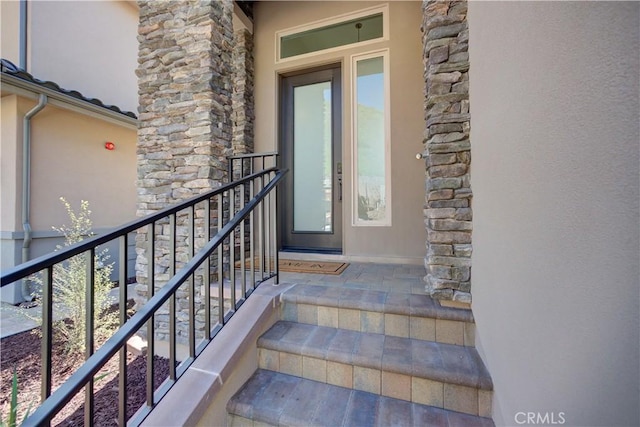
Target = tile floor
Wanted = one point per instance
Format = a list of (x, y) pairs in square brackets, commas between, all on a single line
[(400, 278)]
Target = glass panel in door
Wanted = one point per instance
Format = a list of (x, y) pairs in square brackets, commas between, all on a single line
[(312, 157)]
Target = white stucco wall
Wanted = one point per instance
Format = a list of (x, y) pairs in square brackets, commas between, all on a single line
[(88, 46), (555, 143)]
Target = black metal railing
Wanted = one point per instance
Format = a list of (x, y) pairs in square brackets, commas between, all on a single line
[(242, 253), (241, 165)]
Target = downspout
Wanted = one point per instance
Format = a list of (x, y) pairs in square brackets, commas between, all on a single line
[(23, 34), (26, 187)]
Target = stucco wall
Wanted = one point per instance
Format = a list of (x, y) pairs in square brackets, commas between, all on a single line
[(554, 119), (68, 159), (10, 170), (405, 238), (10, 30), (89, 46)]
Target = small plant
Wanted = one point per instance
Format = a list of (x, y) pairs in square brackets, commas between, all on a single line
[(70, 283), (12, 419)]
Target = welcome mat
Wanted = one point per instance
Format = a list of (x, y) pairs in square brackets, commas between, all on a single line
[(298, 266), (319, 267)]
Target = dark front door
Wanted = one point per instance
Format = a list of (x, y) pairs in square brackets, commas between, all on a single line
[(311, 150)]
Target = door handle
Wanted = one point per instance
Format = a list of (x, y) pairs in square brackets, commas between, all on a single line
[(339, 173)]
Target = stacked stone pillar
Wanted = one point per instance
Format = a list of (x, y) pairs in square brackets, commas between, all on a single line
[(243, 105), (447, 150), (184, 134)]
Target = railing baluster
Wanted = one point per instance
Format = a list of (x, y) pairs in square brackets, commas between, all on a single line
[(191, 285), (150, 322), (123, 254), (243, 274), (232, 250), (47, 331), (172, 300), (276, 236), (261, 232), (220, 263), (272, 231), (267, 226), (252, 254), (89, 326), (207, 272), (252, 260)]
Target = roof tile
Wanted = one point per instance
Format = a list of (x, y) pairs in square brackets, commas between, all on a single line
[(9, 68)]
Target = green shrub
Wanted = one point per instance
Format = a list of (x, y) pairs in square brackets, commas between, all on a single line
[(70, 283)]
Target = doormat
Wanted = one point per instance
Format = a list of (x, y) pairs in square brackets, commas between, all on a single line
[(298, 266), (319, 267)]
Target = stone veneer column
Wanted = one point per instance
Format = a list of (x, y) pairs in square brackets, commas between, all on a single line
[(243, 115), (184, 134), (448, 192)]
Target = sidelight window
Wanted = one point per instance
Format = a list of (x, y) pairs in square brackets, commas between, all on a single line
[(372, 191)]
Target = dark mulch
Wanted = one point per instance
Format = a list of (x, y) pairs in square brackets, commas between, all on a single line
[(22, 352)]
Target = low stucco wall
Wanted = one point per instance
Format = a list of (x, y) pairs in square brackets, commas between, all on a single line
[(554, 119)]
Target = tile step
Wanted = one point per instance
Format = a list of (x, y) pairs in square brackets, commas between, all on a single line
[(277, 399), (432, 360), (436, 374), (374, 300), (403, 315)]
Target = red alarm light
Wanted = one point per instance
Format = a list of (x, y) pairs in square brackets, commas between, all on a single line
[(109, 145)]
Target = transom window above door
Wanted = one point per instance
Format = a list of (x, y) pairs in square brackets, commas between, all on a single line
[(360, 27)]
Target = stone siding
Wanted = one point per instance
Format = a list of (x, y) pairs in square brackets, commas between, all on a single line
[(447, 150), (242, 115), (184, 134)]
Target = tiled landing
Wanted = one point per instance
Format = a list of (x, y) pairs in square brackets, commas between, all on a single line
[(400, 278)]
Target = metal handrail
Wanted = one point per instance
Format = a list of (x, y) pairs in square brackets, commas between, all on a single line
[(84, 375), (253, 155), (250, 161), (28, 268)]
